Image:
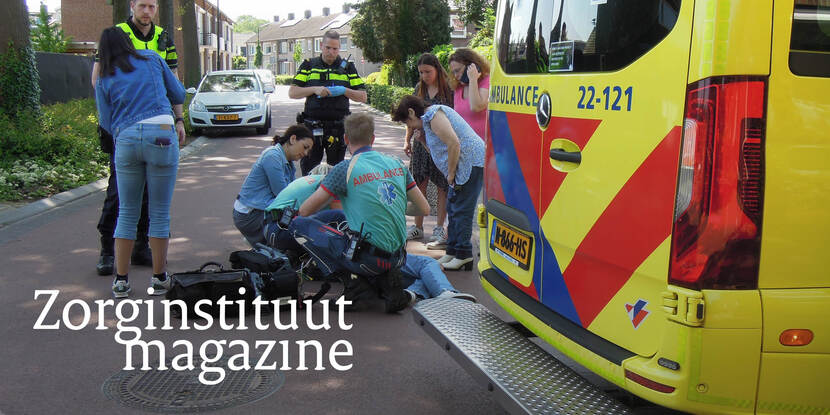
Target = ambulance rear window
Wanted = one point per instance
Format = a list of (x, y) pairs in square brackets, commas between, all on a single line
[(580, 35), (810, 42)]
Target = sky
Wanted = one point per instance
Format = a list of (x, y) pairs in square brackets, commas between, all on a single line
[(257, 8)]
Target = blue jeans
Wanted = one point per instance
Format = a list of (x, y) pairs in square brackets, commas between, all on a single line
[(328, 247), (461, 206), (145, 153), (282, 239), (424, 273)]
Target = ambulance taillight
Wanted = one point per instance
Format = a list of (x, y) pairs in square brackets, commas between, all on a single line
[(716, 236)]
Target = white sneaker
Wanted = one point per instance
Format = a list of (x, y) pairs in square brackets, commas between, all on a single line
[(438, 239), (120, 288), (414, 232), (460, 296), (446, 258), (413, 298), (458, 264), (159, 287)]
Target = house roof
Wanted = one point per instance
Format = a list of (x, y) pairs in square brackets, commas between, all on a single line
[(314, 26)]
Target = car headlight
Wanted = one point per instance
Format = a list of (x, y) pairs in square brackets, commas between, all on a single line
[(253, 107), (197, 106)]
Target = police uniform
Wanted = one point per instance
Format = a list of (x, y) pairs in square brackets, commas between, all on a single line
[(324, 116), (159, 41)]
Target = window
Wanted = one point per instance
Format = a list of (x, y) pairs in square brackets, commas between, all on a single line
[(318, 45), (285, 67), (459, 29), (267, 49), (344, 42), (229, 83), (272, 59), (242, 51), (810, 41), (578, 36), (283, 47), (252, 50), (308, 45)]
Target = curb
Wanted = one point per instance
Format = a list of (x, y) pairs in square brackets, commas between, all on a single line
[(12, 216)]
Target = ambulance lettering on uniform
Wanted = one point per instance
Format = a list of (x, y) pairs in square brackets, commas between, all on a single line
[(637, 312), (370, 177)]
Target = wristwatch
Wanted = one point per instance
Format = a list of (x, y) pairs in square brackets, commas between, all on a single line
[(179, 119)]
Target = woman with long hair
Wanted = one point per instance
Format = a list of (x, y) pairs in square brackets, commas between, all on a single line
[(471, 82), (134, 94), (433, 88), (272, 172)]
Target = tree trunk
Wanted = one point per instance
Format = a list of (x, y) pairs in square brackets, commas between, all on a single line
[(22, 90), (120, 11), (166, 10), (15, 27), (189, 55)]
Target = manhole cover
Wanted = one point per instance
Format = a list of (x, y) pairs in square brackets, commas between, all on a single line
[(174, 391)]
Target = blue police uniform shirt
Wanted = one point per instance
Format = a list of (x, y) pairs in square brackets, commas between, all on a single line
[(374, 195)]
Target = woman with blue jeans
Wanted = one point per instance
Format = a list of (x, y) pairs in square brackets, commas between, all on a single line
[(134, 94), (272, 172), (459, 153)]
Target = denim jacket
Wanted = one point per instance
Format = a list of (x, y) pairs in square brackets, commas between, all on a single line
[(271, 173), (124, 99)]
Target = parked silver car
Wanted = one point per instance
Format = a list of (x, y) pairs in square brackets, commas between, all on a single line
[(231, 99)]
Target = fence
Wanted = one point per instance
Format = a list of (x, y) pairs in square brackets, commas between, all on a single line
[(64, 77)]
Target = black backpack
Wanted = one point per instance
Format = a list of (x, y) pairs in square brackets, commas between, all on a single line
[(213, 284)]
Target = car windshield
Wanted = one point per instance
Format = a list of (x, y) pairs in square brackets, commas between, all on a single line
[(229, 83)]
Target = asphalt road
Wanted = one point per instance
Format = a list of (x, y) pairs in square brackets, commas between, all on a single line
[(396, 367)]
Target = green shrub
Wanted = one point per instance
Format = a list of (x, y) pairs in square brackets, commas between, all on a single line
[(283, 80), (443, 52), (186, 114), (372, 78), (48, 154), (384, 97)]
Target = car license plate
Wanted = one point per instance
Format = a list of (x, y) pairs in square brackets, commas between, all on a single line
[(511, 244), (227, 117)]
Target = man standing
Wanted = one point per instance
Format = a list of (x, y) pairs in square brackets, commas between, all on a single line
[(373, 189), (144, 34), (327, 83)]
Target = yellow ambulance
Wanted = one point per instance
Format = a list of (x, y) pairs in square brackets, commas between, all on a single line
[(657, 195)]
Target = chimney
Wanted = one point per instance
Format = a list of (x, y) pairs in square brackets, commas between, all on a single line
[(290, 16), (307, 14), (345, 8), (276, 19), (326, 11)]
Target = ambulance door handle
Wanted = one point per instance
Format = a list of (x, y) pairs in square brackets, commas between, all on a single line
[(569, 156)]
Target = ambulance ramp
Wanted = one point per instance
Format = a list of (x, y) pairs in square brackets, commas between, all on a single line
[(523, 377)]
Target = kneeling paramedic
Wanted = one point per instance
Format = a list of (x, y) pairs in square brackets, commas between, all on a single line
[(373, 189)]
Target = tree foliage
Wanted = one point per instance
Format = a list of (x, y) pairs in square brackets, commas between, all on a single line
[(240, 62), (391, 30), (19, 79), (247, 24), (475, 11), (258, 56), (46, 35), (298, 53), (484, 36)]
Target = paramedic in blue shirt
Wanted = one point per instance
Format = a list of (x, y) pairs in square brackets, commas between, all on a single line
[(373, 189), (272, 172), (134, 93)]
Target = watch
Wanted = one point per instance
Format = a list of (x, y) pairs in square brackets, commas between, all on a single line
[(179, 119)]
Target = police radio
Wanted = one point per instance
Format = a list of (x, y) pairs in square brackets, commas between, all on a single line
[(354, 241), (287, 215)]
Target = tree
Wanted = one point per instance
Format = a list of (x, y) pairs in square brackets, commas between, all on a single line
[(120, 11), (247, 24), (47, 36), (391, 30), (189, 54), (475, 11), (484, 36), (19, 80), (298, 53), (240, 62), (258, 56)]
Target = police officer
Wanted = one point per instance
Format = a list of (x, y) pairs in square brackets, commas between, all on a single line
[(373, 189), (327, 83), (144, 34)]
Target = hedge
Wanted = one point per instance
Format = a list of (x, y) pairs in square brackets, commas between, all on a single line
[(385, 97)]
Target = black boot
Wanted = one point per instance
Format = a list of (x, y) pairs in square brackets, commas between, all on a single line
[(359, 291), (391, 289), (106, 262)]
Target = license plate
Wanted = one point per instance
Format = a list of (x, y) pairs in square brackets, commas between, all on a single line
[(511, 244), (227, 117)]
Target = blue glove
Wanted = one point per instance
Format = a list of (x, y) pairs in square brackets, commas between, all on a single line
[(336, 91)]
